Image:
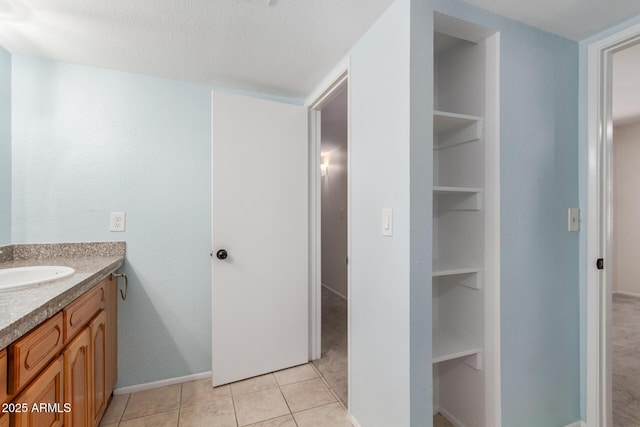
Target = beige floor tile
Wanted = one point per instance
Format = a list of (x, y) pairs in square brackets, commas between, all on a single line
[(286, 421), (260, 406), (251, 385), (164, 419), (199, 392), (115, 409), (154, 401), (109, 425), (330, 415), (307, 394), (296, 374), (218, 413)]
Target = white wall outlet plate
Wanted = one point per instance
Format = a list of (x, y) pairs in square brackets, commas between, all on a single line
[(574, 219), (117, 222)]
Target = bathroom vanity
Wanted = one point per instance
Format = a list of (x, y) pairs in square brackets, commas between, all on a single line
[(58, 340)]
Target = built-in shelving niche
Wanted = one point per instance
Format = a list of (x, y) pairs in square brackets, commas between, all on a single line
[(457, 198), (451, 129), (446, 346), (465, 278), (462, 275)]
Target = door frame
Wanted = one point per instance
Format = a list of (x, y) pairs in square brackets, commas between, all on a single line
[(600, 222), (319, 98)]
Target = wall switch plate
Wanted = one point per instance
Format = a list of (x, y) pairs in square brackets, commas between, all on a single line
[(117, 222), (387, 222), (574, 219)]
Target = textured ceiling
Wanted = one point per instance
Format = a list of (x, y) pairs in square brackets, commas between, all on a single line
[(283, 47), (573, 19)]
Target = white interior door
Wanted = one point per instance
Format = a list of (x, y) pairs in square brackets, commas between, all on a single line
[(260, 217)]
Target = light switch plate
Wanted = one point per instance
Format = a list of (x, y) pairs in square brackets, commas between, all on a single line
[(117, 221), (574, 219), (387, 222)]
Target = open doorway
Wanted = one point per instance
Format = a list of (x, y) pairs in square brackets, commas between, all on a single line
[(625, 289), (333, 361), (603, 281)]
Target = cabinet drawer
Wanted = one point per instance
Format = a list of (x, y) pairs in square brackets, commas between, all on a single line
[(81, 311), (3, 376), (31, 353)]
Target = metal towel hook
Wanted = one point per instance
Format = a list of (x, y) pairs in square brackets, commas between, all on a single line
[(126, 284)]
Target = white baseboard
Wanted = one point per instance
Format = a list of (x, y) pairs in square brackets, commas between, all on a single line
[(354, 421), (629, 294), (453, 420), (161, 383), (330, 289)]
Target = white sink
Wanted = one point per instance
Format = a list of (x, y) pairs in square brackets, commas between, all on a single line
[(23, 276)]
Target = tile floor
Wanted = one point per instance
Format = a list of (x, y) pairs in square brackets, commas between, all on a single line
[(440, 421), (295, 397), (333, 364)]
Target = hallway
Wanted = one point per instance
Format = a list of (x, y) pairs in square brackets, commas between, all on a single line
[(333, 364)]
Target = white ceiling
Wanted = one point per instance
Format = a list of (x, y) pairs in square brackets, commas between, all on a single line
[(573, 19), (285, 48), (626, 86), (282, 47)]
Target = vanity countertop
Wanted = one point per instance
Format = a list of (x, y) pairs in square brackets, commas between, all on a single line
[(22, 309)]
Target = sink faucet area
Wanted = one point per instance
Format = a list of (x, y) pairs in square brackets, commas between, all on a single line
[(16, 277), (38, 279)]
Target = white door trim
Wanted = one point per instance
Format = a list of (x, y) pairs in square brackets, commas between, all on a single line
[(325, 92), (599, 222), (492, 226)]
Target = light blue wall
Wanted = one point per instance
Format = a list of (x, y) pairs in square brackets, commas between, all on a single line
[(88, 141), (539, 257), (379, 178), (391, 92), (5, 147), (584, 183)]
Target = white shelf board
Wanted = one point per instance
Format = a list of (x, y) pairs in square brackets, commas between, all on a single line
[(444, 268), (445, 189), (447, 347), (452, 129), (457, 198), (444, 121)]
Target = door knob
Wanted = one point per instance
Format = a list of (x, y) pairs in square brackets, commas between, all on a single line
[(222, 254)]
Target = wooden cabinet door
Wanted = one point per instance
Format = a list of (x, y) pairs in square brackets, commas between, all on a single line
[(98, 328), (111, 307), (46, 394), (4, 420), (77, 380), (3, 377)]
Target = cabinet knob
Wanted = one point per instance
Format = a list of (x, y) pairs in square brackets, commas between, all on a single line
[(222, 254)]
